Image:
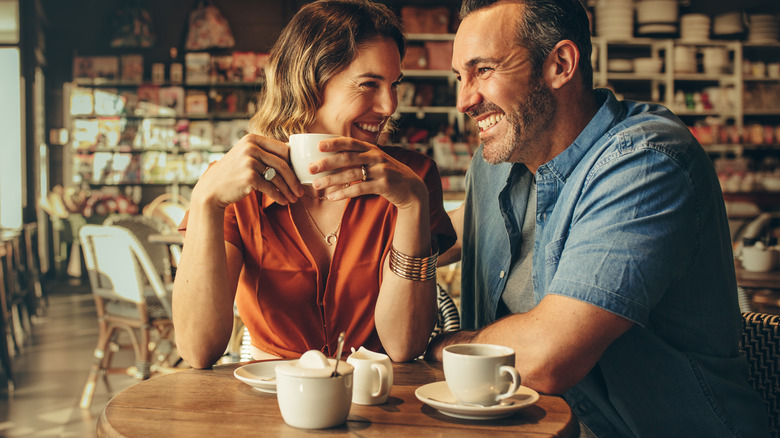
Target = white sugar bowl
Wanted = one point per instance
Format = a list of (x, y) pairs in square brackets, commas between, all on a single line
[(309, 398)]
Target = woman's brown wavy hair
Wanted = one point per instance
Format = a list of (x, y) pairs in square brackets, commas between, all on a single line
[(320, 41)]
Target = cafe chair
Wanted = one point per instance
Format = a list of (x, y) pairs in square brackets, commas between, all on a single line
[(760, 344), (6, 370), (168, 207), (33, 259), (143, 227), (130, 297), (448, 318), (17, 301)]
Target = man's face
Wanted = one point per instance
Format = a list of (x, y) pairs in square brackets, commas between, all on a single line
[(511, 103)]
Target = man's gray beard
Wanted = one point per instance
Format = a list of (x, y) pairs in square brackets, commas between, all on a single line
[(537, 113)]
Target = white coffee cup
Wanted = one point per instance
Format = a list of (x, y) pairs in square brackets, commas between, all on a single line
[(304, 150), (480, 374), (373, 377), (309, 398), (758, 258)]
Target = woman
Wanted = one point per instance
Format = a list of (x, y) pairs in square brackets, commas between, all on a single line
[(255, 235)]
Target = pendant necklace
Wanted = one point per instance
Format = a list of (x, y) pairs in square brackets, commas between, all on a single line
[(331, 238)]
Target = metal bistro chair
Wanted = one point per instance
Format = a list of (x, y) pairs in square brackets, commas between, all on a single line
[(129, 295), (761, 345)]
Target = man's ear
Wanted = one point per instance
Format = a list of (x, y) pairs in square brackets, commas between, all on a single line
[(562, 64)]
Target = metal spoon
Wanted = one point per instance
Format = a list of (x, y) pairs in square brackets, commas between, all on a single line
[(338, 354)]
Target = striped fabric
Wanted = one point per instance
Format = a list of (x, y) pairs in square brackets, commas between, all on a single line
[(449, 318), (761, 345)]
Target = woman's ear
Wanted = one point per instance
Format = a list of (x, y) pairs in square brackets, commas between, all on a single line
[(562, 64)]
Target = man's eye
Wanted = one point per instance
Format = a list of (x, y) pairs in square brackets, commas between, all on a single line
[(482, 71)]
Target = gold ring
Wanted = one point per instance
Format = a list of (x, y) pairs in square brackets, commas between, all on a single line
[(365, 173), (269, 173)]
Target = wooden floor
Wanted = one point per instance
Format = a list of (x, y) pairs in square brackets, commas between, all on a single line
[(51, 370)]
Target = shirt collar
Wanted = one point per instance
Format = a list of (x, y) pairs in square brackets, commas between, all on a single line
[(608, 114), (265, 200)]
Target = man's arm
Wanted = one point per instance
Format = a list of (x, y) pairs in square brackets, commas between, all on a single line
[(452, 255), (556, 343)]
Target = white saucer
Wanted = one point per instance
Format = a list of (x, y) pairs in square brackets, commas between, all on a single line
[(253, 374), (438, 396)]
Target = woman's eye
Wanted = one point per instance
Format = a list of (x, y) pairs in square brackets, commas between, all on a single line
[(369, 85)]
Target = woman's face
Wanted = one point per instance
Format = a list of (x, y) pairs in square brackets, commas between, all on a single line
[(358, 101)]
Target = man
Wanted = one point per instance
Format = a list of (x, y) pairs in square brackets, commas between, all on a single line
[(613, 207)]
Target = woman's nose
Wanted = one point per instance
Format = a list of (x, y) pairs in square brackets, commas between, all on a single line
[(386, 102)]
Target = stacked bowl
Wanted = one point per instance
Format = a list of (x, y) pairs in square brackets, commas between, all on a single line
[(656, 17), (728, 24), (685, 59), (615, 19), (763, 28), (694, 28)]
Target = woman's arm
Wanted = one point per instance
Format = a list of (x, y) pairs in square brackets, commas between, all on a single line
[(208, 272), (405, 312)]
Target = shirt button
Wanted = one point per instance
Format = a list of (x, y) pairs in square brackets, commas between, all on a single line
[(501, 275)]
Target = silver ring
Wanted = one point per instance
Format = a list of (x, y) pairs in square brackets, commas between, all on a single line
[(365, 173), (269, 173)]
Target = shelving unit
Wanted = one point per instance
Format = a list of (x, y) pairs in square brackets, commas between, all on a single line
[(159, 148)]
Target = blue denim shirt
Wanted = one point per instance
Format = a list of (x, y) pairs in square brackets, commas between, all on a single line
[(629, 218)]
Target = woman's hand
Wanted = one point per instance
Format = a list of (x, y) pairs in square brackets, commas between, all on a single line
[(241, 171), (384, 175)]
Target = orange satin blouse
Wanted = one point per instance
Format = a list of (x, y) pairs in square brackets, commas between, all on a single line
[(277, 295)]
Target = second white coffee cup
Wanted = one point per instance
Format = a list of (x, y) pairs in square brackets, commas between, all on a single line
[(480, 374), (304, 150)]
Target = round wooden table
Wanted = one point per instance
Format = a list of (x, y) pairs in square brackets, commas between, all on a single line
[(197, 403)]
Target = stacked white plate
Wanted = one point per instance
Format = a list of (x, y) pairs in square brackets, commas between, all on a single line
[(615, 19), (729, 23), (763, 28), (656, 17), (694, 28)]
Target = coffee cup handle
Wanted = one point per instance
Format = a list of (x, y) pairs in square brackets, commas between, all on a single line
[(382, 371), (506, 369)]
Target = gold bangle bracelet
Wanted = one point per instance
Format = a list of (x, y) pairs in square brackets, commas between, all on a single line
[(414, 268)]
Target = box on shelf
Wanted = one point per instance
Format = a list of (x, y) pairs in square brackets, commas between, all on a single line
[(132, 68), (82, 101), (197, 66), (106, 68), (148, 100), (108, 102), (171, 101), (416, 57), (425, 20), (196, 103), (201, 134), (439, 55)]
